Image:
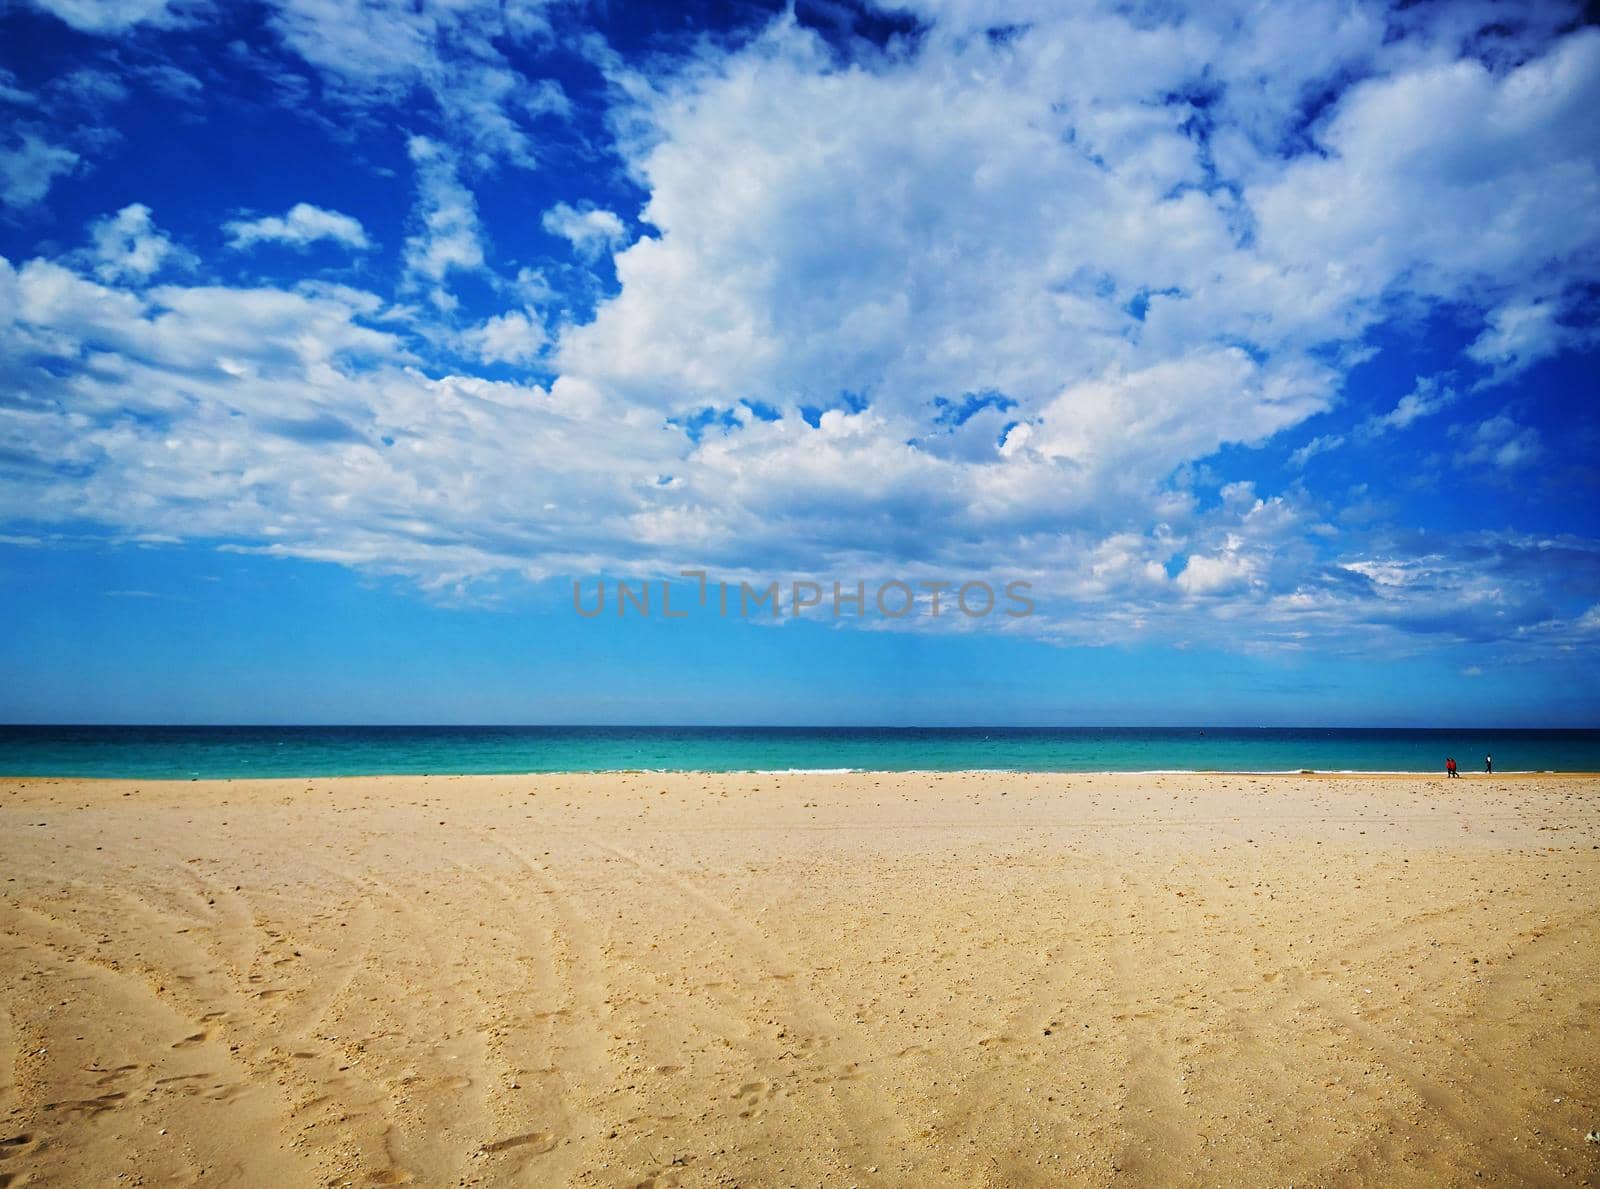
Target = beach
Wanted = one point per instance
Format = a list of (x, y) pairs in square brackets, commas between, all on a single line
[(806, 978)]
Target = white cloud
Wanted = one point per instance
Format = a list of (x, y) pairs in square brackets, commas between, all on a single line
[(377, 51), (1321, 444), (1029, 219), (449, 236), (1218, 574), (514, 337), (1500, 442), (29, 167), (294, 422), (12, 91), (1249, 549), (1132, 242), (1128, 431), (1429, 397), (1445, 180), (303, 225), (591, 231), (287, 421), (114, 16), (984, 218), (129, 246), (1478, 588), (1521, 333)]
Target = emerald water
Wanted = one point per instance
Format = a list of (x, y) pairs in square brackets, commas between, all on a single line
[(219, 752)]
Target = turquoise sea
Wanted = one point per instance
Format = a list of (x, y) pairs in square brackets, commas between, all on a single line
[(218, 752)]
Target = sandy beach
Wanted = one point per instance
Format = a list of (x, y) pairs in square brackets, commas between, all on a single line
[(863, 979)]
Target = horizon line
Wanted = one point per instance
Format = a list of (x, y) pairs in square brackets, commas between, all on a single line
[(711, 726)]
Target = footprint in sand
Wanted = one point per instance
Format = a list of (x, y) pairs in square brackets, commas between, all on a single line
[(88, 1106), (539, 1142), (108, 1076), (451, 1082), (750, 1096)]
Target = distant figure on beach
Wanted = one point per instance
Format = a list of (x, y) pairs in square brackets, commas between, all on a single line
[(1488, 763), (1450, 766)]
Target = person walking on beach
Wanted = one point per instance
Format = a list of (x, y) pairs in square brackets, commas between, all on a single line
[(1450, 766), (1488, 763)]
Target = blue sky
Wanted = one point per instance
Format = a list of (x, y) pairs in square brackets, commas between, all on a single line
[(338, 340)]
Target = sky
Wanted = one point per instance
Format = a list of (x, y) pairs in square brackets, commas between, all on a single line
[(339, 342)]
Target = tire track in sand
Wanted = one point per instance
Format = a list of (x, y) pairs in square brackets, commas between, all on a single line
[(1156, 1149), (1469, 1117), (867, 1131), (568, 1052), (407, 1139), (578, 1029), (1033, 1045)]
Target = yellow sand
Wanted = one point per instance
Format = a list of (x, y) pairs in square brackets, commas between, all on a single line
[(814, 979)]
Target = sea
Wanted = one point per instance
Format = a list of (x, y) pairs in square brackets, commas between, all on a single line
[(225, 752)]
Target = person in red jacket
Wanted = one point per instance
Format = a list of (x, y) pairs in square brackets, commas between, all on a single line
[(1450, 767)]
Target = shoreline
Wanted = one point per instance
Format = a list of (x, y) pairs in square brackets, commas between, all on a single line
[(1342, 773)]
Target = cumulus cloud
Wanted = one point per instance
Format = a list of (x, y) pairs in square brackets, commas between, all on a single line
[(514, 337), (293, 421), (590, 231), (1445, 180), (129, 246), (1020, 218), (303, 225), (1218, 573)]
